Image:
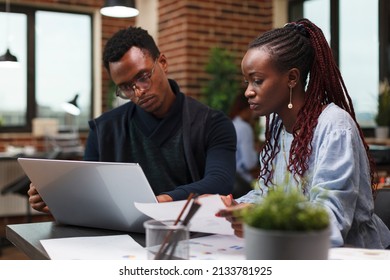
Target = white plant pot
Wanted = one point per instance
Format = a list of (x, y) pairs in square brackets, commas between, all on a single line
[(286, 245), (381, 132)]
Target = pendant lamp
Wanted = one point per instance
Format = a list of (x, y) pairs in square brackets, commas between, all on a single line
[(7, 58), (119, 8)]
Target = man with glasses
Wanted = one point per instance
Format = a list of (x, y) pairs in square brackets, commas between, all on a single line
[(182, 145)]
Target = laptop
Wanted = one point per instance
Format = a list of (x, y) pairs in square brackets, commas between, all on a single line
[(91, 194)]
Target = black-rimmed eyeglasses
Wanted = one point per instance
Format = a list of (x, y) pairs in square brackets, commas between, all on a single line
[(127, 90)]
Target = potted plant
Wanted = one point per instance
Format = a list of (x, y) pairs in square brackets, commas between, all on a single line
[(220, 90), (383, 116), (284, 225)]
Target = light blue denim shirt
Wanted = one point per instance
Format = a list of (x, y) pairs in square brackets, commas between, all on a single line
[(338, 178)]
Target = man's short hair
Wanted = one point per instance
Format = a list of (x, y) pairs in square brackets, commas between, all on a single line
[(124, 40)]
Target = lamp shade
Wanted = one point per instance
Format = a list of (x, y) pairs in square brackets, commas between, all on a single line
[(8, 57), (119, 8), (71, 107)]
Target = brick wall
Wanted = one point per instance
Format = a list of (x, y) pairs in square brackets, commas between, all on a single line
[(187, 30)]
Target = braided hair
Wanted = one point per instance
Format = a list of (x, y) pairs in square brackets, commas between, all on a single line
[(124, 40), (302, 45)]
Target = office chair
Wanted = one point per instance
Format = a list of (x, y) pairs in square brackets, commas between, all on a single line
[(21, 184), (382, 205), (18, 186)]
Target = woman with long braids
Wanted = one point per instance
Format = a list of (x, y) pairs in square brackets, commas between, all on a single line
[(313, 141)]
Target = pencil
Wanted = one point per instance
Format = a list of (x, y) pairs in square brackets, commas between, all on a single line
[(169, 234)]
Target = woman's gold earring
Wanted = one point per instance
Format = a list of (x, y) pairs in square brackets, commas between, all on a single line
[(290, 104)]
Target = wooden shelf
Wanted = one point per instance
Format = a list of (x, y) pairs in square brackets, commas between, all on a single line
[(375, 141)]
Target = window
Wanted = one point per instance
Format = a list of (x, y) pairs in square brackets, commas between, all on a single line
[(13, 80), (352, 29), (54, 50), (359, 56)]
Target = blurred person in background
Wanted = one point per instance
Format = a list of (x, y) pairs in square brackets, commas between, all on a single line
[(247, 156)]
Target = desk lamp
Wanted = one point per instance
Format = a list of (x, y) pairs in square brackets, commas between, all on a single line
[(71, 106), (73, 110)]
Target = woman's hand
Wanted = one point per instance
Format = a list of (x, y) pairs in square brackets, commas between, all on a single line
[(36, 201), (232, 214)]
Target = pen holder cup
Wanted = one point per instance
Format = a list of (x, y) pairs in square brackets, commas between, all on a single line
[(166, 241)]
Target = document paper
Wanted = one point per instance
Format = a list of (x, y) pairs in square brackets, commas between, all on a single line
[(112, 247), (203, 221)]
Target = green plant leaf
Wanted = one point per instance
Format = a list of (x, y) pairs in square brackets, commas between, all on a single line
[(220, 91), (291, 211), (383, 116)]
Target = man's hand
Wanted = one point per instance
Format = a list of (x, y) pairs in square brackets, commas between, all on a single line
[(36, 201), (164, 198)]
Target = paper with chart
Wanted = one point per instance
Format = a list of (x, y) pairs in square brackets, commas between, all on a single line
[(123, 247), (203, 221), (217, 247)]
